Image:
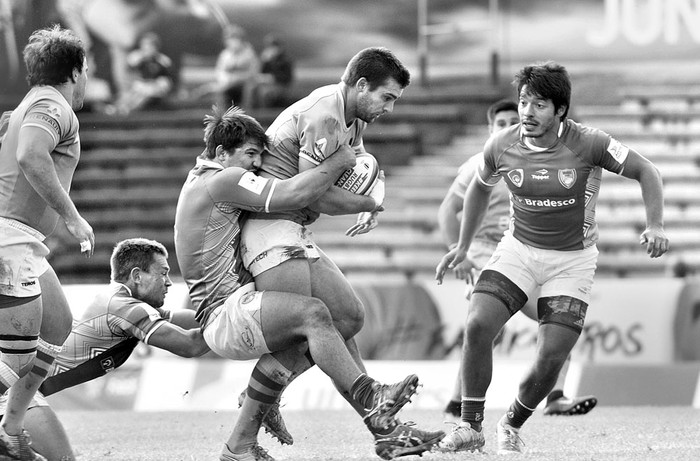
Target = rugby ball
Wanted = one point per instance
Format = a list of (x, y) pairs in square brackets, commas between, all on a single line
[(361, 178)]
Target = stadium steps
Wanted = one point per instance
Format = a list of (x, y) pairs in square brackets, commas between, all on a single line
[(132, 168), (129, 178)]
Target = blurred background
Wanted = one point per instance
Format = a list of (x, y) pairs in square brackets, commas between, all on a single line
[(634, 67)]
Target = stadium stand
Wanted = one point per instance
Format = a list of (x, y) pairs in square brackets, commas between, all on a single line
[(132, 169)]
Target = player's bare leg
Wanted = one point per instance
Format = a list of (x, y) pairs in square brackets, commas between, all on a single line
[(486, 317), (557, 402), (287, 320), (322, 279), (53, 306), (49, 438), (554, 343)]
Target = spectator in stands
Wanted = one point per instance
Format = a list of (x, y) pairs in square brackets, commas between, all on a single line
[(279, 249), (276, 74), (152, 72), (552, 167), (128, 311), (237, 69), (500, 115), (38, 156)]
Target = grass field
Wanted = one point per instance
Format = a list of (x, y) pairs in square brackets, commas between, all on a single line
[(607, 433)]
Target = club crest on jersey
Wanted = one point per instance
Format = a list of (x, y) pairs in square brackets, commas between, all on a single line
[(516, 177), (320, 147), (567, 177)]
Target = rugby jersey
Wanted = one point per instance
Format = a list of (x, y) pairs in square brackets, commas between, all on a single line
[(311, 128), (208, 219), (553, 191), (103, 338), (497, 215), (43, 107)]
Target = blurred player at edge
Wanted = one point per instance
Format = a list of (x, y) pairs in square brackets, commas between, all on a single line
[(552, 167), (125, 312), (278, 249), (500, 115), (240, 322), (39, 153)]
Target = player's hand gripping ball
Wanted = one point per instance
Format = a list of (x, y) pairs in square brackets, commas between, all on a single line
[(362, 177)]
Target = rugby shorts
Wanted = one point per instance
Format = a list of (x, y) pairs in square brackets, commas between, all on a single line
[(268, 243), (558, 273), (233, 330), (22, 259)]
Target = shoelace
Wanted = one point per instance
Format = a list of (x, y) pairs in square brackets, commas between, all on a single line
[(513, 439), (260, 453)]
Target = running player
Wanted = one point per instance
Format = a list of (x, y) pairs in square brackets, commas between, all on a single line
[(39, 153), (278, 248), (500, 115), (552, 167), (240, 322), (126, 312)]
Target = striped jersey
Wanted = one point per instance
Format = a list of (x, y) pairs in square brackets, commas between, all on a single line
[(210, 212), (103, 338), (310, 129), (553, 190), (42, 107)]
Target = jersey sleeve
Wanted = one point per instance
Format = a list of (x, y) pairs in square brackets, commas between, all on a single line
[(487, 169), (607, 152), (243, 189), (130, 317), (49, 116), (318, 137)]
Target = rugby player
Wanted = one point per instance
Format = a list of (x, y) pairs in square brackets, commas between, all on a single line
[(278, 248), (500, 115), (552, 167), (128, 311), (39, 153), (240, 322)]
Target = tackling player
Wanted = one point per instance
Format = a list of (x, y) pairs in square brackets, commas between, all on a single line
[(552, 167), (500, 115), (39, 153), (278, 248), (239, 321), (126, 312)]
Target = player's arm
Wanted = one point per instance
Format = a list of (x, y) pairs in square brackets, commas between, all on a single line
[(451, 206), (306, 187), (337, 201), (184, 318), (642, 170), (447, 218), (172, 338), (34, 158), (476, 202)]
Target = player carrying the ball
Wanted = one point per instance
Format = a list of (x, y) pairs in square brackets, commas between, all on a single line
[(278, 248), (241, 322)]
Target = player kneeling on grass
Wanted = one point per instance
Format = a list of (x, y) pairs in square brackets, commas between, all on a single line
[(239, 322), (127, 311)]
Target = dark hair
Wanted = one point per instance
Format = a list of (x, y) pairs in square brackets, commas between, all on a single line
[(131, 253), (376, 65), (51, 55), (231, 130), (500, 106), (547, 80)]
